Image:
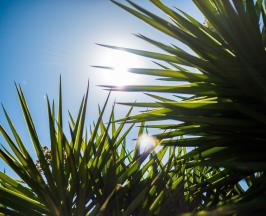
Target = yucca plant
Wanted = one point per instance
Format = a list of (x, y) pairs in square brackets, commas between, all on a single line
[(224, 120), (75, 177), (94, 173)]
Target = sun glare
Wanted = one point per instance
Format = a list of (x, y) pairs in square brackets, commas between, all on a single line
[(147, 143), (120, 62)]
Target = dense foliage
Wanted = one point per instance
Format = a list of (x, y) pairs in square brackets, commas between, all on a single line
[(93, 173), (224, 119)]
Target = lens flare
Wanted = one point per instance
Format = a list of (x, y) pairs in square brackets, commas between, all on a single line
[(147, 143)]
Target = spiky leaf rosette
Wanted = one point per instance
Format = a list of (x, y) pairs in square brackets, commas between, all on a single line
[(95, 172), (225, 118)]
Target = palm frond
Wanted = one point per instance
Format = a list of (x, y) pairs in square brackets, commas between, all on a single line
[(224, 120), (96, 172)]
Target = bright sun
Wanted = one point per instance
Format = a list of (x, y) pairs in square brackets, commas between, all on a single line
[(120, 62)]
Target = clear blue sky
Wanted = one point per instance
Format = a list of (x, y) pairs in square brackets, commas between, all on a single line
[(39, 40)]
